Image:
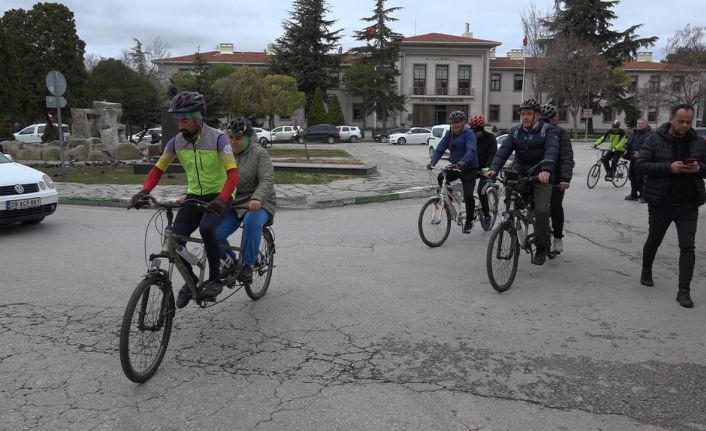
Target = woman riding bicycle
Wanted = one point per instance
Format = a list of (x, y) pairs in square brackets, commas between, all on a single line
[(486, 145), (254, 203), (461, 143)]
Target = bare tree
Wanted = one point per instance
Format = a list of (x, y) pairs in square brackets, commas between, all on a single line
[(91, 60), (686, 78), (140, 58), (571, 71), (536, 34)]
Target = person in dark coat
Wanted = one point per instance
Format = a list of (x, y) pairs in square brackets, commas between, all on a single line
[(637, 138), (561, 177), (486, 145), (673, 161)]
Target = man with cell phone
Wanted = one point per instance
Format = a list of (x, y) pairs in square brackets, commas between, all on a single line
[(673, 160)]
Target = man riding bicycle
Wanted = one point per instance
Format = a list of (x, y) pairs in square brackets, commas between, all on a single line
[(212, 175), (254, 203), (461, 143), (533, 141), (616, 136)]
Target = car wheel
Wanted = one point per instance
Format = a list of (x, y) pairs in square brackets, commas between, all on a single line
[(331, 140), (33, 221), (300, 140), (353, 139), (263, 142), (402, 141)]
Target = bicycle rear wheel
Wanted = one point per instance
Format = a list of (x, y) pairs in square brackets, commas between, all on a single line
[(621, 175), (262, 270), (493, 207), (502, 256), (434, 222), (146, 327), (594, 174)]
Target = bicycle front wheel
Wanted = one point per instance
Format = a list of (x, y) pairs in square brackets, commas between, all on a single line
[(502, 256), (594, 174), (147, 325), (621, 175), (493, 207), (262, 270), (434, 222)]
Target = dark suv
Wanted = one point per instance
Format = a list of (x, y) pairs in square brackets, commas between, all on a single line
[(320, 133)]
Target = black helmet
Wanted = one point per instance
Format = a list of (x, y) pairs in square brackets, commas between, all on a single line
[(531, 104), (240, 126), (457, 116), (548, 111), (186, 102)]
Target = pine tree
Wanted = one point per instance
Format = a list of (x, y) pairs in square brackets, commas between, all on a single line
[(381, 50), (317, 115), (305, 49), (335, 113)]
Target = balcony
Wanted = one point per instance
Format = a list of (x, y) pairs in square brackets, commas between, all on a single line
[(420, 91), (442, 93)]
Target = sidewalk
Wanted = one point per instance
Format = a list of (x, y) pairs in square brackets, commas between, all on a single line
[(397, 178)]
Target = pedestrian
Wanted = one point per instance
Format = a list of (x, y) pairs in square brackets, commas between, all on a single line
[(673, 160), (637, 138), (616, 136)]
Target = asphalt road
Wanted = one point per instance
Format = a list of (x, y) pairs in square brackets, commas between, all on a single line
[(364, 328)]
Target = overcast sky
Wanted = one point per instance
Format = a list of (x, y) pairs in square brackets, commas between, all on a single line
[(109, 26)]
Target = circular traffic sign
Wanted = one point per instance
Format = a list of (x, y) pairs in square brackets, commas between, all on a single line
[(56, 83)]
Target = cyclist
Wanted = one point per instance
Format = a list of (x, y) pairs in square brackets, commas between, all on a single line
[(533, 141), (254, 203), (561, 176), (486, 146), (616, 136), (461, 143), (212, 176)]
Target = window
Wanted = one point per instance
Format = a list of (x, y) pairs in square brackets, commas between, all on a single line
[(358, 111), (607, 114), (652, 114), (494, 113), (335, 78), (420, 79), (654, 83), (632, 86), (495, 82), (464, 80), (563, 114), (517, 82), (677, 83), (516, 112), (442, 79)]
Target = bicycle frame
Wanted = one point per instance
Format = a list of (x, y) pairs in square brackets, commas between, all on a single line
[(519, 212), (446, 195)]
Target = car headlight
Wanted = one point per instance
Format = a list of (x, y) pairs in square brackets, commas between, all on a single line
[(47, 179)]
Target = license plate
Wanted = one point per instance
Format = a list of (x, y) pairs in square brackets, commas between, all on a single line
[(24, 203)]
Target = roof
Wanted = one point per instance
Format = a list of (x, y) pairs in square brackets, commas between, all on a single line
[(630, 66), (646, 65), (447, 38), (248, 58)]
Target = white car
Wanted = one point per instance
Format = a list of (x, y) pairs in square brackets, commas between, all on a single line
[(349, 133), (263, 136), (153, 134), (26, 195), (415, 135), (33, 134), (284, 133), (437, 132)]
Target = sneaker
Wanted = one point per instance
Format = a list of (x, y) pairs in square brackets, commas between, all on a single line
[(245, 274), (642, 200), (558, 246), (467, 227), (539, 258), (183, 297), (630, 198), (209, 290), (684, 299), (608, 178), (485, 222), (646, 278)]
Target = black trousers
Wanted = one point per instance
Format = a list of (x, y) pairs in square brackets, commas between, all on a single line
[(557, 211), (483, 198), (684, 218), (610, 161), (468, 181), (636, 181)]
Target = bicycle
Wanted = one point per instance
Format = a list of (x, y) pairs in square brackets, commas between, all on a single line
[(147, 322), (619, 178), (436, 215), (513, 232)]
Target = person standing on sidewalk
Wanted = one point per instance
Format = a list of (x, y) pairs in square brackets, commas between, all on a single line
[(637, 138), (616, 136), (673, 160)]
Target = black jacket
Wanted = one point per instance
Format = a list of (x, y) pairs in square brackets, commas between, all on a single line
[(564, 168), (637, 138), (530, 147), (655, 159), (486, 147)]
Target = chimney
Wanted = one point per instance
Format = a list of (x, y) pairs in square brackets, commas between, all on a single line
[(515, 54), (225, 48), (644, 56), (468, 32)]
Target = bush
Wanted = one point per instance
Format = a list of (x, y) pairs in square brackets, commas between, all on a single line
[(317, 114), (126, 152), (335, 114), (51, 153)]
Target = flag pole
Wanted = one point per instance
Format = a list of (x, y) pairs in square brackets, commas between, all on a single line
[(524, 51)]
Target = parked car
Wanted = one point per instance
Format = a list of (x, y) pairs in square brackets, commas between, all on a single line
[(437, 132), (263, 136), (152, 135), (284, 133), (349, 133), (383, 137), (415, 135), (26, 194), (320, 133), (33, 134)]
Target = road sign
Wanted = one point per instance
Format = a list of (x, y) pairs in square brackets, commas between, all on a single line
[(52, 101), (587, 113), (56, 83)]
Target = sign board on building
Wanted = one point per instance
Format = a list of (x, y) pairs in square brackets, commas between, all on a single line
[(587, 113)]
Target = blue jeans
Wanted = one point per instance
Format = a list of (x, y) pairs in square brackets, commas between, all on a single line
[(253, 222)]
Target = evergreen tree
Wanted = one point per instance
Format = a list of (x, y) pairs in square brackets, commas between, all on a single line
[(381, 50), (305, 49), (335, 113), (317, 115)]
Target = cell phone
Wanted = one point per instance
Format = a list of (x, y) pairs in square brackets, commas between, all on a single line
[(690, 160)]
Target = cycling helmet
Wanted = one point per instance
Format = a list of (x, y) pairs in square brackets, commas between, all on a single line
[(616, 123), (477, 121), (457, 116), (187, 102), (548, 111), (240, 126), (531, 104)]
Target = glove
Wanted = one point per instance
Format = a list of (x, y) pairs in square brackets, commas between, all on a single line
[(429, 166), (217, 206), (460, 165), (137, 200)]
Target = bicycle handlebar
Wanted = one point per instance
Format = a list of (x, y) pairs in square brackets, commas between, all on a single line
[(166, 205)]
